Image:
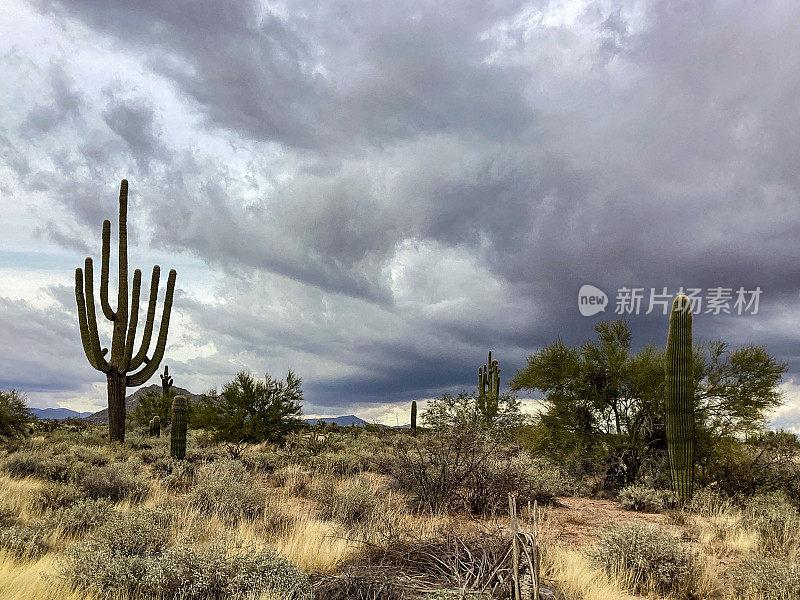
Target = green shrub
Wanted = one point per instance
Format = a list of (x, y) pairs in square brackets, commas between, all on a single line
[(513, 471), (226, 489), (130, 555), (24, 542), (352, 503), (116, 481), (82, 516), (53, 496), (55, 467), (643, 498), (175, 474), (650, 560), (765, 578), (776, 519)]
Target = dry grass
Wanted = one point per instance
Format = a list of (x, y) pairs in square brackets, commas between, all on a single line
[(291, 523), (575, 576), (25, 580)]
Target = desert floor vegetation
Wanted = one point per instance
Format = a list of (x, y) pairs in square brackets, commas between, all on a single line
[(351, 514)]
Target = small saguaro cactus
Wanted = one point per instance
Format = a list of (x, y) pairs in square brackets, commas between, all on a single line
[(679, 397), (120, 366), (155, 427), (166, 380), (413, 417), (489, 389), (177, 442)]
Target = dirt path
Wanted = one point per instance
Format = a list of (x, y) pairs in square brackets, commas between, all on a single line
[(576, 520)]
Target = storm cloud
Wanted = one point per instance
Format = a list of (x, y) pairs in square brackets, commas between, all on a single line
[(375, 198)]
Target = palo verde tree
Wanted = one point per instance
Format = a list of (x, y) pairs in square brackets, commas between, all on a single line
[(604, 404), (120, 367), (251, 410)]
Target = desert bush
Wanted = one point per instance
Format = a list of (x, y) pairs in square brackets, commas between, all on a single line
[(14, 416), (776, 519), (649, 559), (643, 498), (352, 503), (293, 478), (765, 578), (24, 542), (116, 481), (55, 467), (433, 468), (81, 516), (512, 471), (53, 496), (175, 474), (144, 565), (226, 489), (261, 462)]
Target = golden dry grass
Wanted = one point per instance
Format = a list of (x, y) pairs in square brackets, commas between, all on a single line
[(291, 524)]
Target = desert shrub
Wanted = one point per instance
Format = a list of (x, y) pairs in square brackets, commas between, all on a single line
[(776, 519), (55, 467), (433, 468), (175, 474), (512, 471), (25, 542), (765, 578), (352, 503), (81, 516), (650, 560), (130, 555), (643, 498), (261, 462), (339, 463), (116, 481), (226, 489), (53, 496), (14, 416), (90, 455), (293, 478)]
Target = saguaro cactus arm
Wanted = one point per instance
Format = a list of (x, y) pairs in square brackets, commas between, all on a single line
[(87, 322), (152, 365), (133, 320), (104, 269), (141, 356)]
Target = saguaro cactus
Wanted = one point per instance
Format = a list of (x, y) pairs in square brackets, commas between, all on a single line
[(413, 417), (489, 389), (679, 397), (177, 442), (120, 366), (155, 426), (166, 380)]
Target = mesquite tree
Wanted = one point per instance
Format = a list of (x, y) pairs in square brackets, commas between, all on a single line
[(679, 397), (121, 364)]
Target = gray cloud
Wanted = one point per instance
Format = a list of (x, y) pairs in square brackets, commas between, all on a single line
[(383, 195)]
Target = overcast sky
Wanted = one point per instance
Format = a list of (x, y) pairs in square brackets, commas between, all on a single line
[(375, 194)]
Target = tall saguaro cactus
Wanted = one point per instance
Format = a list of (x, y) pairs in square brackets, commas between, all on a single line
[(414, 417), (122, 362), (489, 389), (177, 440), (679, 397)]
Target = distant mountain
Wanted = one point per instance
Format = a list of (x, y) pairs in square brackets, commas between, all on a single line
[(132, 401), (345, 421), (58, 413)]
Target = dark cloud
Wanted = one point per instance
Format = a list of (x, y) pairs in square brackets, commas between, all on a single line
[(402, 188)]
